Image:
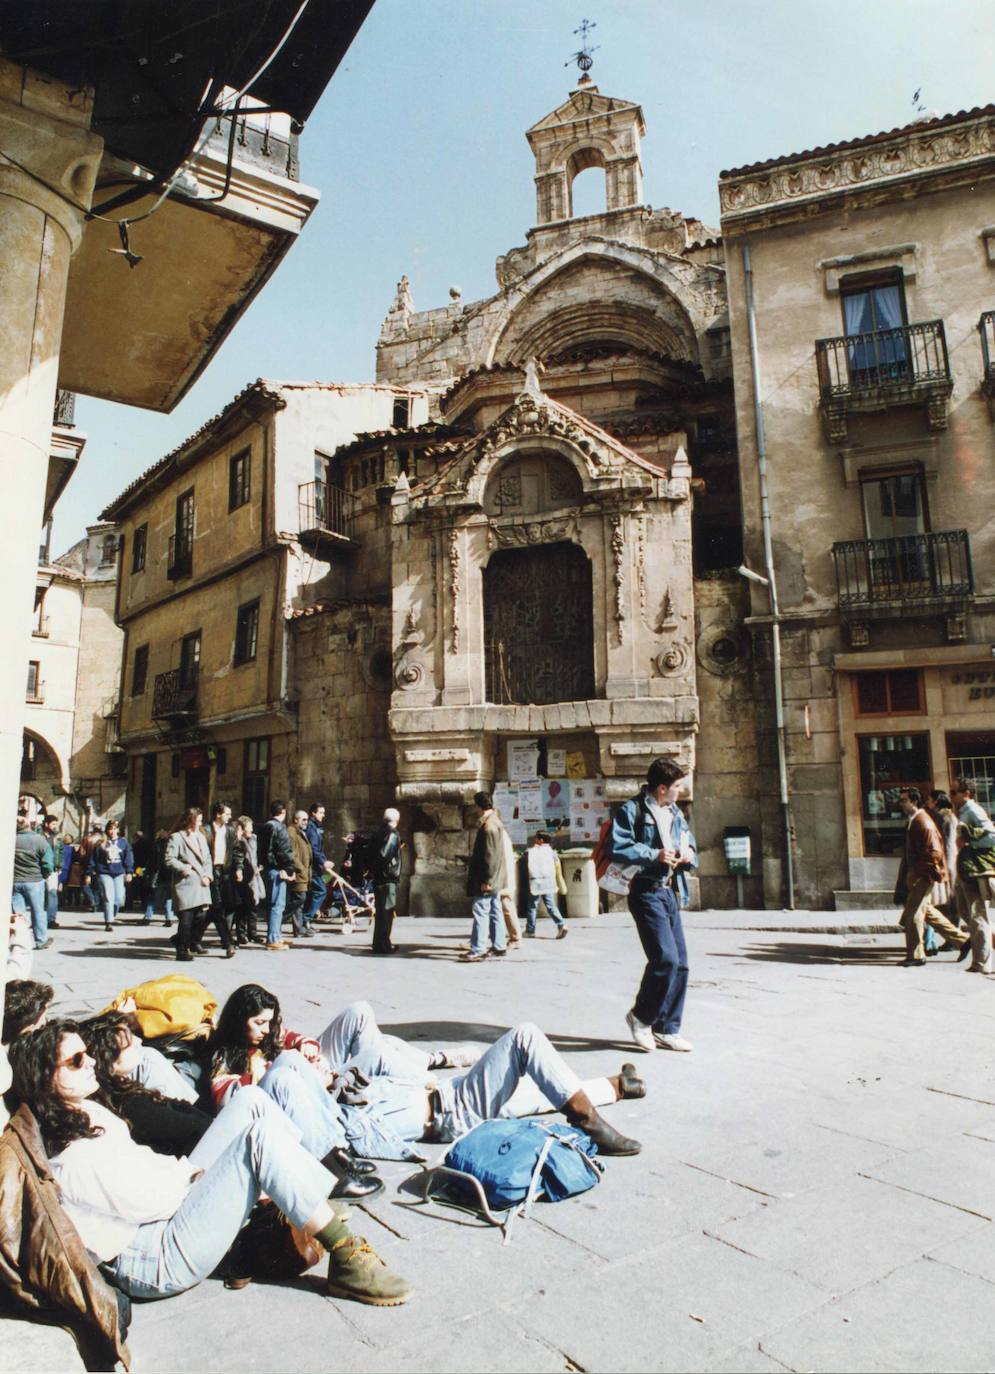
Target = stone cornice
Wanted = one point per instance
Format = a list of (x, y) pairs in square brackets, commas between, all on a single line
[(877, 167)]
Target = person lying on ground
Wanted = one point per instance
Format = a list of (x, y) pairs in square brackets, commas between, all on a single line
[(390, 1098), (168, 1125), (159, 1225)]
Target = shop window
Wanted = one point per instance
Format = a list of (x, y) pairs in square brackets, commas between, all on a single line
[(973, 757), (888, 763), (239, 477), (894, 692)]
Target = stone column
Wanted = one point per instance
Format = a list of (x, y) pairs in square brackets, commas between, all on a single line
[(47, 171)]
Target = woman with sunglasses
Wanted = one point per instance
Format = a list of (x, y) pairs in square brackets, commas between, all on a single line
[(166, 1124), (159, 1225)]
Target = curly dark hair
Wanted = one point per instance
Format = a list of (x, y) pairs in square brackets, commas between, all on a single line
[(34, 1059), (229, 1048), (23, 1002), (102, 1037)]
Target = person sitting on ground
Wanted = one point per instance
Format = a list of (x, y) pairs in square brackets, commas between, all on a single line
[(25, 1007), (541, 859), (168, 1125), (159, 1225), (923, 864), (391, 1098), (250, 1047)]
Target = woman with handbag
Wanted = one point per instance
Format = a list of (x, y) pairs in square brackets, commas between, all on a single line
[(191, 868), (160, 1225)]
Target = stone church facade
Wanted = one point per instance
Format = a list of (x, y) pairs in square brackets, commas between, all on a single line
[(550, 556)]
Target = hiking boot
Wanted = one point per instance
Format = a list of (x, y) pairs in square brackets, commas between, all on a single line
[(579, 1111), (356, 1271), (629, 1082)]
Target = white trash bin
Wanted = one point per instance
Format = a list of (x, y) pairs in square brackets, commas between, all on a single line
[(582, 887)]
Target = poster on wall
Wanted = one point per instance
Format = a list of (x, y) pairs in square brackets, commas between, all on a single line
[(588, 810), (556, 763), (556, 807), (523, 760), (575, 765), (530, 803), (506, 805)]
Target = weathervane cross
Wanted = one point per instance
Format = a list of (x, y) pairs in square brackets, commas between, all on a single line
[(584, 56)]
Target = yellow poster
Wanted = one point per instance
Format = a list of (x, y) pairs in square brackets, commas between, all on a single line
[(575, 765)]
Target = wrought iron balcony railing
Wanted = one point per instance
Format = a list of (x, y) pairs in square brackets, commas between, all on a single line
[(172, 698), (179, 561), (325, 512), (986, 328), (912, 570), (64, 414), (883, 360), (885, 367)]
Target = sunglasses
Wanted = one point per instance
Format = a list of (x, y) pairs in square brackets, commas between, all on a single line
[(75, 1061)]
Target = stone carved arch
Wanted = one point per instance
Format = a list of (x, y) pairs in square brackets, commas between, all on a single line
[(661, 299), (529, 482), (40, 762)]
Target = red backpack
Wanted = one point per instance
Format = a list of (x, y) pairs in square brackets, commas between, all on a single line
[(602, 852)]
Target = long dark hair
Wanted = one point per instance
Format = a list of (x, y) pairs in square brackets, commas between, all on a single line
[(102, 1037), (34, 1059), (229, 1047)]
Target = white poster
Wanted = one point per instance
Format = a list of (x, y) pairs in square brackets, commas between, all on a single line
[(506, 803), (588, 810), (556, 763), (523, 760), (530, 802)]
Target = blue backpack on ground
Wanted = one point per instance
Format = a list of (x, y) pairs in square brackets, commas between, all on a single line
[(518, 1161)]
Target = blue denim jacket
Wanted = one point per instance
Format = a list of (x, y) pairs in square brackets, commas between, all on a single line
[(636, 840)]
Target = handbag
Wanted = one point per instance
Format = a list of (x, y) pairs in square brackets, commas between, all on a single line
[(269, 1248)]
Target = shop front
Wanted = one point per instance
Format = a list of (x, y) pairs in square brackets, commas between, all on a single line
[(918, 721)]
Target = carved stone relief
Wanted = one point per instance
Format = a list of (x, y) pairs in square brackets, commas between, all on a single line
[(455, 587), (534, 532), (618, 576)]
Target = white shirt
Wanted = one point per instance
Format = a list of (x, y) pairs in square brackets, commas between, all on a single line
[(664, 818), (220, 842), (110, 1186)]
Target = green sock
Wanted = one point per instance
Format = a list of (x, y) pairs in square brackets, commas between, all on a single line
[(336, 1229)]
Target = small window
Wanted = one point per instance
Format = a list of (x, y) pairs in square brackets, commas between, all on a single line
[(221, 760), (139, 540), (255, 778), (140, 670), (894, 504), (108, 550), (894, 692), (401, 414), (190, 659), (34, 681), (239, 473), (247, 632)]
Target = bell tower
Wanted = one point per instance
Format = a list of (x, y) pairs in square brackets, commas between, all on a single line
[(588, 130)]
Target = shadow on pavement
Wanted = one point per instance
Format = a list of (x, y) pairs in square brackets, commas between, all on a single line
[(483, 1032), (787, 952)]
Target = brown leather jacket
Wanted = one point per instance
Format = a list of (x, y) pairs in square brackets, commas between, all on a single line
[(925, 857), (53, 1273)]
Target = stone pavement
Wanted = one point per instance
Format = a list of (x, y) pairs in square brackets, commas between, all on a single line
[(815, 1190)]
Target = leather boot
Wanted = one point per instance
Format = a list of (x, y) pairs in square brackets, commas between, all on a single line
[(356, 1271), (629, 1082), (579, 1111)]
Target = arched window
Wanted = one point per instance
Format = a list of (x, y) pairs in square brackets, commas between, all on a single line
[(531, 484), (586, 194), (538, 626)]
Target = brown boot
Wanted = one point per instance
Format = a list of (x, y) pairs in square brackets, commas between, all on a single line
[(627, 1083), (579, 1111)]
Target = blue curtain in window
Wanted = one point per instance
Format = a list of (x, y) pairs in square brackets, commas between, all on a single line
[(883, 355)]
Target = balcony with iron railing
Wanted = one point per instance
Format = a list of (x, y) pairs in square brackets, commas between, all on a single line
[(905, 366), (326, 515), (173, 697), (179, 560), (909, 575), (986, 328)]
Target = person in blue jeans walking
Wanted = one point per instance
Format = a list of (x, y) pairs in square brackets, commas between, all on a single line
[(112, 865), (540, 866), (650, 835), (276, 859), (161, 1224), (33, 862), (486, 877)]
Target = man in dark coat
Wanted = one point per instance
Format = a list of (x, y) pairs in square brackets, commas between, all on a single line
[(385, 853)]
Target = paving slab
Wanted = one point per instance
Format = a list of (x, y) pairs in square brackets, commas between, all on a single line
[(962, 1177), (923, 1316), (973, 1252)]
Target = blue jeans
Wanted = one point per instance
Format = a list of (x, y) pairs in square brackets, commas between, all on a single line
[(251, 1147), (159, 895), (660, 999), (51, 904), (355, 1039), (31, 897), (488, 924), (156, 1072), (315, 897), (113, 893), (296, 1088), (484, 1091), (532, 910), (276, 900)]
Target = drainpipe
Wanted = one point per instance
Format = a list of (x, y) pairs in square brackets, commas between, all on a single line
[(775, 628)]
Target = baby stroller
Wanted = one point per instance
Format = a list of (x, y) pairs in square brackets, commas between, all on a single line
[(351, 890)]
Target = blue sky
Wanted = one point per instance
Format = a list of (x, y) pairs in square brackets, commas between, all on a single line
[(419, 152)]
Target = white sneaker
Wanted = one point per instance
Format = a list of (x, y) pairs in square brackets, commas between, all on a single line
[(641, 1035), (673, 1042)]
